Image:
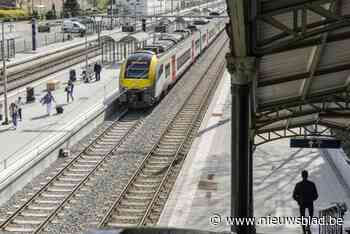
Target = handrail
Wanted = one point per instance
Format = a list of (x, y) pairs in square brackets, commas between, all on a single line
[(333, 211)]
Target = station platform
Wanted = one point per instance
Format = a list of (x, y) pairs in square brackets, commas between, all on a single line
[(202, 189), (39, 133)]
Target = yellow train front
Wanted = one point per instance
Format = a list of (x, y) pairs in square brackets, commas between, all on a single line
[(146, 76), (137, 79)]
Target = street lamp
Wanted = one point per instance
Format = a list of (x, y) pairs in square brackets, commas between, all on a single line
[(4, 73)]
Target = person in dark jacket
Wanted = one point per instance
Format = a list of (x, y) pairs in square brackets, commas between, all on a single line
[(305, 193), (97, 70)]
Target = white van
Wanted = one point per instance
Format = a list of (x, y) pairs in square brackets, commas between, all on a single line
[(73, 27)]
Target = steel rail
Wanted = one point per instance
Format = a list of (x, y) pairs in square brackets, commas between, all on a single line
[(102, 160), (36, 71), (109, 213), (38, 193), (180, 148)]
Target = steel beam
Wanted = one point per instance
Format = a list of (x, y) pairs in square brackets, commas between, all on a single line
[(299, 35)]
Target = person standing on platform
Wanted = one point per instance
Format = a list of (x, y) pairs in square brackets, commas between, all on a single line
[(97, 70), (69, 90), (305, 193), (13, 113), (48, 99), (19, 104)]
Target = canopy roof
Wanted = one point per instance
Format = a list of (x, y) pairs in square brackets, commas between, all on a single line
[(302, 51)]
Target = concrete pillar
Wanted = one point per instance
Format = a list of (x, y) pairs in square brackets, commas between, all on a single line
[(242, 71)]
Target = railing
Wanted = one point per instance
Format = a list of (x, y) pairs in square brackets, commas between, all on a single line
[(331, 214)]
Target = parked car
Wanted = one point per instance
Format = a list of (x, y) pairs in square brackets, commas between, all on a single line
[(44, 27), (70, 26), (83, 20)]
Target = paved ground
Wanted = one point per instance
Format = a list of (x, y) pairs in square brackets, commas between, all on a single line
[(37, 126), (192, 205), (195, 198)]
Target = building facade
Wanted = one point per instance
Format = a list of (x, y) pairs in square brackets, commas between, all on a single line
[(145, 7)]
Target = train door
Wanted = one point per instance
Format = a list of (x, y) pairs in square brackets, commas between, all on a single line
[(200, 41), (207, 37), (173, 67), (193, 48)]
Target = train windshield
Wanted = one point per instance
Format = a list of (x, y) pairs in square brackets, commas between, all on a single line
[(137, 66)]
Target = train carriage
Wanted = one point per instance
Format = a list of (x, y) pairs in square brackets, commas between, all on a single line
[(147, 75)]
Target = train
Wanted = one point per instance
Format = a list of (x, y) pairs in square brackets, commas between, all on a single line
[(147, 75)]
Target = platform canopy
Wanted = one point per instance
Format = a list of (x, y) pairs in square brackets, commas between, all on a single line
[(138, 37), (301, 50), (117, 36)]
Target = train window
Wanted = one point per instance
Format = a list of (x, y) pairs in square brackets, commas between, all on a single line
[(183, 59), (197, 44), (160, 72), (203, 38), (211, 33), (167, 70)]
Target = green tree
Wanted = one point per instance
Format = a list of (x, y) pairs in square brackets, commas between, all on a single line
[(71, 8)]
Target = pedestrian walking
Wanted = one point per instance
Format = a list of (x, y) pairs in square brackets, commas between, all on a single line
[(305, 193), (19, 104), (13, 113), (48, 100), (69, 90), (97, 70)]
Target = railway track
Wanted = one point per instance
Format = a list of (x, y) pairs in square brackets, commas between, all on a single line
[(142, 200), (22, 75), (52, 197)]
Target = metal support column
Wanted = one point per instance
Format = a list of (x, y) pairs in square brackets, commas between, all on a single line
[(242, 72)]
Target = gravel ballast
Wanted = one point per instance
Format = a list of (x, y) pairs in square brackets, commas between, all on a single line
[(85, 212)]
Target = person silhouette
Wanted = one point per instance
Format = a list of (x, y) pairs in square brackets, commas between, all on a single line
[(305, 193)]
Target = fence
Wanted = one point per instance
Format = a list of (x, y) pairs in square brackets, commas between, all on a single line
[(334, 211), (34, 148), (25, 44)]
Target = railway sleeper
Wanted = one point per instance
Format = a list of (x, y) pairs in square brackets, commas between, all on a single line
[(88, 161), (135, 198), (158, 165), (35, 214), (144, 191), (103, 147), (91, 157), (167, 147), (70, 179), (109, 144), (162, 154), (165, 150), (131, 204), (173, 138), (147, 182), (19, 229), (28, 220), (131, 211), (153, 171), (169, 143), (126, 219)]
